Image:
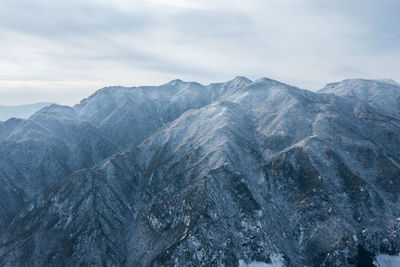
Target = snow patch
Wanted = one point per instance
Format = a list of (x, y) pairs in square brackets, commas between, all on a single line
[(276, 261), (385, 260)]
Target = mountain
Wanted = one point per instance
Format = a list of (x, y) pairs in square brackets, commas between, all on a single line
[(225, 174), (58, 140), (21, 111), (129, 115), (39, 151), (382, 96)]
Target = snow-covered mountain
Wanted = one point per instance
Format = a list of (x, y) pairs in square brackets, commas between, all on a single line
[(20, 111), (129, 115), (58, 140), (384, 97), (224, 174)]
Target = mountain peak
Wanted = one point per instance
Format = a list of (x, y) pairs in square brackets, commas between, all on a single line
[(56, 107), (175, 82), (242, 79), (379, 95), (269, 82), (55, 110), (357, 83)]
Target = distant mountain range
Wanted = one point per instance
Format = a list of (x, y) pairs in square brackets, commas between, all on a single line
[(240, 173), (20, 111)]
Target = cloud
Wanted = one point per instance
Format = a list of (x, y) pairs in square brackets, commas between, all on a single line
[(69, 45)]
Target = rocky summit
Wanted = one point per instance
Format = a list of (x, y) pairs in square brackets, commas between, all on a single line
[(241, 173)]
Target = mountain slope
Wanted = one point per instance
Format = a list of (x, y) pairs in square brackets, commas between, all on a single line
[(265, 171), (43, 149), (129, 115), (58, 140)]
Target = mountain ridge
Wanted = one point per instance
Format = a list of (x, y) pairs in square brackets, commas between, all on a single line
[(234, 168)]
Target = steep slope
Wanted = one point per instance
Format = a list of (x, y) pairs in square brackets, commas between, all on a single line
[(12, 198), (53, 143), (266, 172), (43, 149), (8, 126), (129, 115), (375, 103), (114, 182), (58, 140)]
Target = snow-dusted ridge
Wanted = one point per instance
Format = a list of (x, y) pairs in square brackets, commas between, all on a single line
[(237, 173), (384, 97)]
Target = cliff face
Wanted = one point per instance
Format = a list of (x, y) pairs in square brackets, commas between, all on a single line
[(224, 174)]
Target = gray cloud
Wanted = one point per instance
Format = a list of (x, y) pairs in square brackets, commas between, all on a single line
[(69, 45)]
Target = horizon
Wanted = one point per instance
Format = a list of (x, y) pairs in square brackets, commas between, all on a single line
[(384, 80), (74, 48)]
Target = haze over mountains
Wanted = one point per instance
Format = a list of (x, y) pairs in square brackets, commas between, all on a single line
[(20, 111), (186, 174)]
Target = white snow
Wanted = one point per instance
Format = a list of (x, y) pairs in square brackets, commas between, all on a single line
[(382, 96), (385, 260), (276, 261)]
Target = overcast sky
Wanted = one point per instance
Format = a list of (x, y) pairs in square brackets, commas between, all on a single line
[(62, 51)]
